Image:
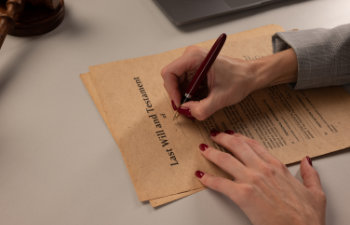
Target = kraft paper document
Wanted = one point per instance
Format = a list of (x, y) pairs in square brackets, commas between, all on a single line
[(162, 155)]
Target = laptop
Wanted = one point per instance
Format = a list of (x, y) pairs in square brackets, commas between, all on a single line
[(182, 12)]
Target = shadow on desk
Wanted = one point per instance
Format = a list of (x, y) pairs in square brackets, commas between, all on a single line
[(8, 73), (11, 69)]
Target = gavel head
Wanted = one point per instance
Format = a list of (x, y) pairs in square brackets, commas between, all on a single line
[(32, 17), (51, 4)]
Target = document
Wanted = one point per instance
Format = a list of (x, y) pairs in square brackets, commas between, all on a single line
[(162, 154)]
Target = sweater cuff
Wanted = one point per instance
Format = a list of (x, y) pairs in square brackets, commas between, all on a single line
[(311, 51)]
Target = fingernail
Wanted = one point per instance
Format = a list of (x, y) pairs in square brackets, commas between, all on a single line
[(203, 147), (173, 105), (214, 132), (199, 174), (309, 160), (229, 132), (186, 112)]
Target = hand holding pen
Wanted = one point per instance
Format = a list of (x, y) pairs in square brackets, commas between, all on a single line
[(228, 80), (219, 74), (202, 71)]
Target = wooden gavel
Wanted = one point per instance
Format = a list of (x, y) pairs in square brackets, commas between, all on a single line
[(29, 17)]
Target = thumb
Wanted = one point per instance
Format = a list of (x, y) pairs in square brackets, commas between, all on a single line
[(310, 176), (204, 108)]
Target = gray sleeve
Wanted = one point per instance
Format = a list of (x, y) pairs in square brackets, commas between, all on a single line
[(323, 55)]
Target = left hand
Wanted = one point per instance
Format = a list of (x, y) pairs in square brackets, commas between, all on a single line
[(262, 186)]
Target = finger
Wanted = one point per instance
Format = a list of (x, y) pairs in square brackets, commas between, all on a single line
[(171, 73), (204, 108), (309, 174), (190, 60), (225, 186), (225, 161), (239, 148), (261, 151), (171, 85)]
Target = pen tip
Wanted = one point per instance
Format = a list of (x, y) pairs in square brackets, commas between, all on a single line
[(175, 115)]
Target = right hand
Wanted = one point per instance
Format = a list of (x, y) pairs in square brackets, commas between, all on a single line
[(230, 80)]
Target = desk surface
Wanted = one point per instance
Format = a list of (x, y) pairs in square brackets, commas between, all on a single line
[(58, 162)]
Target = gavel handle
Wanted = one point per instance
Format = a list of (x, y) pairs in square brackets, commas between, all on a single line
[(4, 28), (7, 19)]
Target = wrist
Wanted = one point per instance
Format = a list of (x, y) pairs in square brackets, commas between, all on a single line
[(279, 68)]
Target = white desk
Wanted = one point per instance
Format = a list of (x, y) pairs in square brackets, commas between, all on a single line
[(59, 163)]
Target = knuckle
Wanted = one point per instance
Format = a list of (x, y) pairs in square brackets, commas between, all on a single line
[(205, 180), (282, 167), (216, 183), (322, 197), (268, 171), (212, 182), (192, 50), (223, 158), (238, 135), (238, 139), (247, 191), (256, 178), (162, 72), (200, 115), (277, 165), (233, 141), (252, 142)]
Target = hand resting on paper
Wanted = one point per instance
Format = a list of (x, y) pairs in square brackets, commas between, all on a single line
[(262, 186), (229, 80)]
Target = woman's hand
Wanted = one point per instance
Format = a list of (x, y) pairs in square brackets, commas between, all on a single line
[(262, 186), (229, 80)]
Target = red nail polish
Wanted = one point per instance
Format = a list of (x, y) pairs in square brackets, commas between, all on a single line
[(309, 160), (229, 132), (214, 132), (203, 147), (199, 174), (186, 112), (173, 105)]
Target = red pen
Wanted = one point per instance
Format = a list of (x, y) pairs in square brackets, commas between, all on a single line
[(203, 69)]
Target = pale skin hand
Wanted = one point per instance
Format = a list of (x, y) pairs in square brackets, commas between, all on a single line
[(262, 186), (230, 80)]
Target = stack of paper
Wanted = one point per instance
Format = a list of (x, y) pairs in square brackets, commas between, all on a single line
[(162, 155)]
